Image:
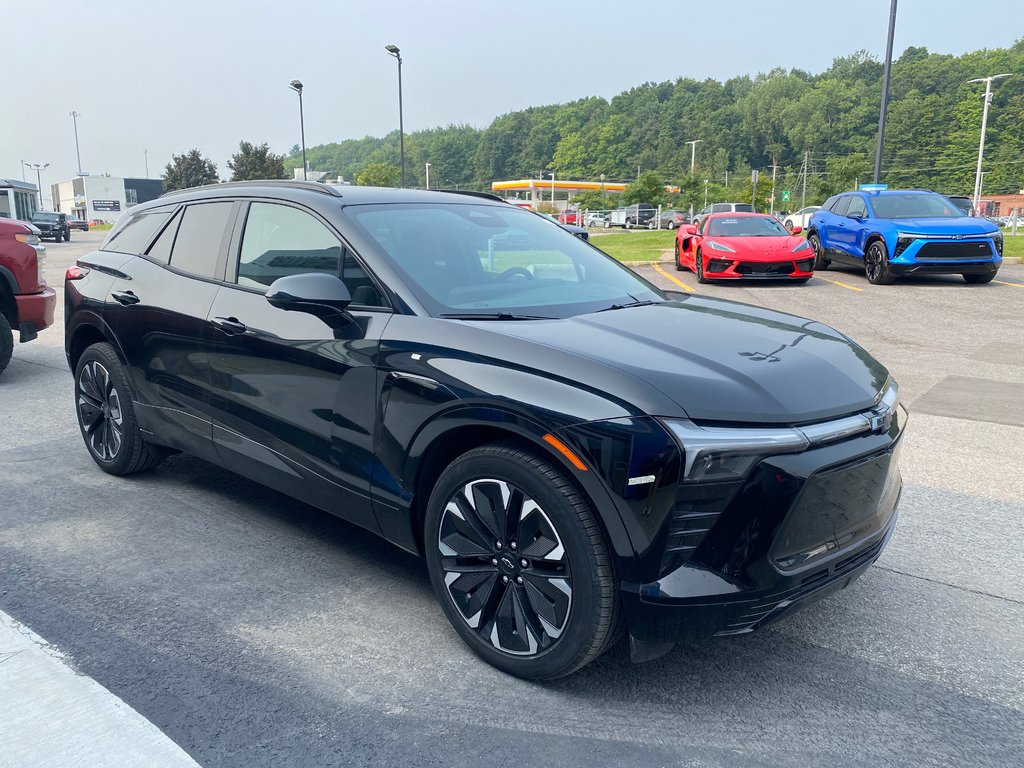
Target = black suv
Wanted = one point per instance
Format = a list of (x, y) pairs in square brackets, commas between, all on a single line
[(52, 224), (639, 214), (480, 387)]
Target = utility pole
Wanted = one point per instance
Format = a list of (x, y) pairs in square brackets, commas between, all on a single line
[(74, 117), (877, 177), (803, 193), (774, 168), (146, 153), (428, 175), (693, 153), (984, 125)]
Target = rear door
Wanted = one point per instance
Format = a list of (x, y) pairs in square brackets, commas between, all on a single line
[(295, 399), (159, 312)]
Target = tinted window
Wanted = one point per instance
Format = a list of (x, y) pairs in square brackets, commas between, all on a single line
[(918, 206), (161, 249), (470, 259), (842, 206), (830, 203), (743, 208), (857, 207), (197, 245), (134, 235), (721, 208), (745, 226)]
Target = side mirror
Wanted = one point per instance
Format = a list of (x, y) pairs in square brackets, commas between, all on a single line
[(797, 230), (315, 293), (855, 216), (690, 229)]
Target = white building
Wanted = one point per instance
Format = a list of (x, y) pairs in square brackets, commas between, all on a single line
[(103, 197)]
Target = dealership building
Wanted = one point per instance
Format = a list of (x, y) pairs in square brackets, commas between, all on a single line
[(103, 197)]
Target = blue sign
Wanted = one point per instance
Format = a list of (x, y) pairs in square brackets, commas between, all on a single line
[(872, 187)]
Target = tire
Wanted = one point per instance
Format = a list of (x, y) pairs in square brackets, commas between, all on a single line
[(671, 225), (106, 417), (6, 342), (679, 257), (567, 608), (58, 237), (820, 262), (629, 225), (971, 279), (607, 224), (698, 265), (876, 264), (67, 236)]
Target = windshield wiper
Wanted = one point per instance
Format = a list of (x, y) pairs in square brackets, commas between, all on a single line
[(493, 316), (638, 303)]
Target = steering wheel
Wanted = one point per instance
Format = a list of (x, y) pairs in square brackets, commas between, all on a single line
[(516, 272)]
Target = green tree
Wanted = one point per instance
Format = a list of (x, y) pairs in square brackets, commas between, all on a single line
[(256, 162), (649, 188), (189, 170), (379, 175)]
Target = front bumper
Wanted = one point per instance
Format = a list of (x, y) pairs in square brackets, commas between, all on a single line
[(738, 557), (720, 266), (35, 312), (944, 255)]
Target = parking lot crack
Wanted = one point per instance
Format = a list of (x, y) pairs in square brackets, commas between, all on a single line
[(947, 584)]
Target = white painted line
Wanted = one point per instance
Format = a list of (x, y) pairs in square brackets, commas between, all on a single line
[(53, 717)]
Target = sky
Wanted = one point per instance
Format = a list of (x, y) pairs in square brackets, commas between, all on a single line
[(170, 75)]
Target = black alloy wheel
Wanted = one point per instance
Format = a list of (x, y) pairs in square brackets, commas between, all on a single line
[(876, 264), (679, 256), (6, 342), (820, 262), (698, 263), (105, 414), (519, 563)]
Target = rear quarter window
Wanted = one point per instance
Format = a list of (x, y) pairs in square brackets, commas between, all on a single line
[(135, 234)]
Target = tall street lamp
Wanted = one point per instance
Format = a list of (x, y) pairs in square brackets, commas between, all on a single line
[(394, 51), (877, 175), (428, 175), (74, 117), (693, 152), (552, 175), (146, 153), (296, 86), (39, 179), (984, 125)]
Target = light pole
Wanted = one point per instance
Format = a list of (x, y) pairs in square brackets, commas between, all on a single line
[(394, 51), (775, 168), (74, 118), (602, 191), (296, 86), (23, 171), (693, 153), (877, 176), (39, 179), (705, 193), (984, 125), (146, 153), (552, 175), (428, 175)]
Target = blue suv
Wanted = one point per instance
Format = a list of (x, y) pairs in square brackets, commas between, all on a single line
[(889, 233)]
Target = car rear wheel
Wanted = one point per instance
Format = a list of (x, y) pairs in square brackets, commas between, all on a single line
[(67, 236), (6, 342), (876, 264), (699, 267), (106, 416), (820, 262), (520, 564), (679, 257), (973, 279)]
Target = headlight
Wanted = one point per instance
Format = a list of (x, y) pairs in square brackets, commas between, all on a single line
[(715, 454), (27, 237), (714, 245), (803, 246), (997, 238), (40, 266)]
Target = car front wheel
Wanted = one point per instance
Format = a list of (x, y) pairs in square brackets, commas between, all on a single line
[(820, 262), (698, 263), (6, 342), (876, 264), (106, 416), (520, 564)]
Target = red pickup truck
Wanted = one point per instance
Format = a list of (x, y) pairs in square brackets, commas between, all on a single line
[(26, 301)]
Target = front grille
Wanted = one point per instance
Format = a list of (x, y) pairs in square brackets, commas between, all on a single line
[(955, 250), (718, 265), (765, 268)]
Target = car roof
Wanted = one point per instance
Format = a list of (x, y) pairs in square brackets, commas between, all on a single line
[(734, 214), (887, 192)]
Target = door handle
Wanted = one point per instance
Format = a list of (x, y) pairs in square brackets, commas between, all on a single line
[(125, 298), (230, 325)]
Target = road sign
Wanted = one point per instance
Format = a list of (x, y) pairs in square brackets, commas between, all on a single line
[(785, 196), (753, 177)]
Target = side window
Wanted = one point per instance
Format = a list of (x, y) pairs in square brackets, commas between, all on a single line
[(134, 235), (280, 240), (829, 204), (842, 206), (857, 207), (703, 225), (200, 235), (161, 249)]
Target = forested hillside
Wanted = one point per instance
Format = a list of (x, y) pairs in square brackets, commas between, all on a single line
[(779, 118)]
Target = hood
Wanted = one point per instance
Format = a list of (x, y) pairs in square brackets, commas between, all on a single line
[(936, 226), (720, 360), (758, 246)]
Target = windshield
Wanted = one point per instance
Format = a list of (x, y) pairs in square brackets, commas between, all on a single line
[(44, 216), (914, 206), (468, 259), (746, 226)]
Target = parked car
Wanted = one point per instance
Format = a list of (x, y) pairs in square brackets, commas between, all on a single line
[(901, 232), (964, 203), (636, 215), (721, 208), (668, 220), (534, 423), (732, 246), (800, 218), (52, 224), (26, 301), (569, 216), (596, 219), (580, 232), (80, 224)]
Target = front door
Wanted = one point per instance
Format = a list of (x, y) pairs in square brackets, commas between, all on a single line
[(294, 398)]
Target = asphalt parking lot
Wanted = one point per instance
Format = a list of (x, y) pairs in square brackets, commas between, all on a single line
[(254, 630)]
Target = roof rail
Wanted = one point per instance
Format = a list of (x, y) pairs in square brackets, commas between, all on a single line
[(312, 186), (471, 193)]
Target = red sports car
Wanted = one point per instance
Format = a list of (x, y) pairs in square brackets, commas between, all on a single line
[(743, 245)]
